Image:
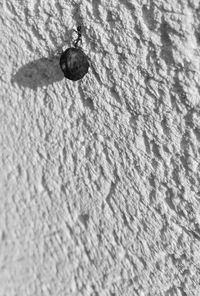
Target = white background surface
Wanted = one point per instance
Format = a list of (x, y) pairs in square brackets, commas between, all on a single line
[(100, 178)]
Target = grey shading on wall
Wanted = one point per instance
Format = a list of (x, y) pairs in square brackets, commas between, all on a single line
[(99, 178)]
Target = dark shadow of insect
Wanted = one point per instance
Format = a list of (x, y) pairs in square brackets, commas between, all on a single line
[(39, 73)]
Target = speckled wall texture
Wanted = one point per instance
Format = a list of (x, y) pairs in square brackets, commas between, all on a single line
[(100, 178)]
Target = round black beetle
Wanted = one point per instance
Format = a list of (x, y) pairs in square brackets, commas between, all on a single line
[(73, 61)]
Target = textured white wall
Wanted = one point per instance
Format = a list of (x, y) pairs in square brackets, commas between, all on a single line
[(100, 178)]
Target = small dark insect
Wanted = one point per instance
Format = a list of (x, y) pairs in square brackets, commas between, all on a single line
[(73, 61)]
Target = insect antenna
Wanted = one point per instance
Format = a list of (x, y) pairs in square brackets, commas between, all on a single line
[(79, 36)]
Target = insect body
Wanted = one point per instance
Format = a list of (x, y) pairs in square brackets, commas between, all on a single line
[(73, 61)]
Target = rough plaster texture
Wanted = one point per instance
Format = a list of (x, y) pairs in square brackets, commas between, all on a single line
[(100, 178)]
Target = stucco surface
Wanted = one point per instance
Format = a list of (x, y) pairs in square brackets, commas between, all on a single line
[(100, 178)]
